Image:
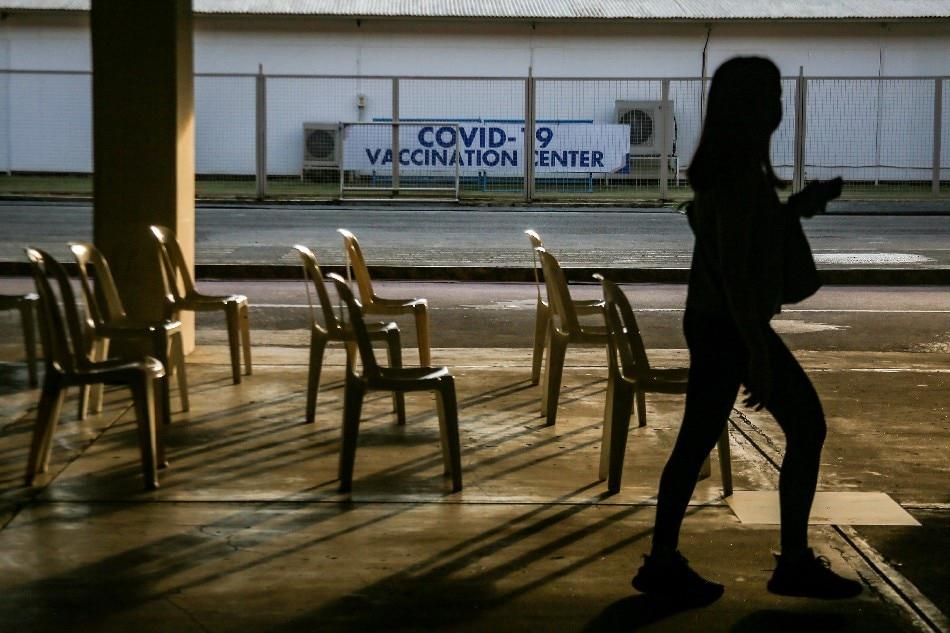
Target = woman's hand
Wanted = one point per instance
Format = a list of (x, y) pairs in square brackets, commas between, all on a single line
[(758, 383)]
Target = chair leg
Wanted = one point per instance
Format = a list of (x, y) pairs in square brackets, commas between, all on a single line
[(50, 404), (161, 420), (705, 471), (232, 314), (352, 407), (725, 462), (394, 353), (163, 387), (95, 401), (542, 315), (29, 340), (641, 407), (557, 348), (614, 447), (178, 354), (318, 343), (246, 337), (144, 397), (86, 391), (449, 432), (421, 314)]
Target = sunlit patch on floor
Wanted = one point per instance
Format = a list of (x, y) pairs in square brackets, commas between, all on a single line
[(792, 326), (829, 508)]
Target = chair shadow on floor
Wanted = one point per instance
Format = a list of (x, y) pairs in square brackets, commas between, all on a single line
[(635, 612)]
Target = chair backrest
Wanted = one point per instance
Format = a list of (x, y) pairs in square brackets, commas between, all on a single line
[(355, 311), (356, 262), (64, 341), (536, 242), (624, 331), (103, 303), (174, 268), (312, 275), (558, 293)]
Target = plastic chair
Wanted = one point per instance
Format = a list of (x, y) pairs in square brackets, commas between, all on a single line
[(67, 365), (108, 320), (374, 304), (334, 330), (634, 376), (543, 310), (25, 304), (181, 295), (400, 380), (563, 330)]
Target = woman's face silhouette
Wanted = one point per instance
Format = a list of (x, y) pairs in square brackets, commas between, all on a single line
[(774, 107)]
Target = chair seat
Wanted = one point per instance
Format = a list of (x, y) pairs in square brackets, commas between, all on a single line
[(388, 306), (673, 380), (374, 329), (130, 327), (410, 378), (595, 334), (672, 374), (589, 306), (201, 303), (10, 302), (115, 370)]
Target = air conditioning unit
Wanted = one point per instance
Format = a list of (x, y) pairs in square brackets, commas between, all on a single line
[(322, 146), (649, 121)]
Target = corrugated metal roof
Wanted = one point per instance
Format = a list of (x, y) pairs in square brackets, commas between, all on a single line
[(555, 9)]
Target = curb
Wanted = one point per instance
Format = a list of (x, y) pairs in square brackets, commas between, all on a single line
[(831, 277)]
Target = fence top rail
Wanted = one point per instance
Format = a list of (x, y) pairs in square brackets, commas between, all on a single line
[(399, 77), (656, 79), (512, 78), (877, 78)]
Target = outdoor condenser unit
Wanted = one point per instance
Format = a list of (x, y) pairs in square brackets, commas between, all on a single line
[(321, 146), (648, 121)]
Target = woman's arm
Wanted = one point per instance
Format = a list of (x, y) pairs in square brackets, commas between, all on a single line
[(745, 237), (814, 197)]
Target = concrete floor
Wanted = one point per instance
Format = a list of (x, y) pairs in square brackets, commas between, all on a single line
[(248, 531)]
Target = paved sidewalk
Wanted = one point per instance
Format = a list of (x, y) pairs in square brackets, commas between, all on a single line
[(248, 533)]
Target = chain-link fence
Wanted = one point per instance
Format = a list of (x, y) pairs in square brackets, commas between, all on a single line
[(225, 136), (260, 136), (46, 132), (878, 134)]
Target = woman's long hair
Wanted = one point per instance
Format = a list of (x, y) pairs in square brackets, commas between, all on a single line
[(744, 109)]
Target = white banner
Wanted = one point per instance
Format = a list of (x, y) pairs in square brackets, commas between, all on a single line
[(495, 149)]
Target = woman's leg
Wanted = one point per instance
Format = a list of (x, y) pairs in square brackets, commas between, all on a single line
[(797, 409), (717, 361)]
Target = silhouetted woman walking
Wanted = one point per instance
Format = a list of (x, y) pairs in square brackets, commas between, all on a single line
[(749, 258)]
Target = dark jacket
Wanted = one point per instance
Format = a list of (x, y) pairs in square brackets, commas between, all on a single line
[(737, 257)]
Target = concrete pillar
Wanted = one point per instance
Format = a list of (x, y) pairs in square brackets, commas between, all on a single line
[(143, 141)]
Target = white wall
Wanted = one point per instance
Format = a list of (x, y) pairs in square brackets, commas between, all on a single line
[(45, 121)]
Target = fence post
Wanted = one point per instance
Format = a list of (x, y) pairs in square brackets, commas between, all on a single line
[(395, 142), (798, 171), (529, 130), (665, 121), (938, 132), (260, 137)]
